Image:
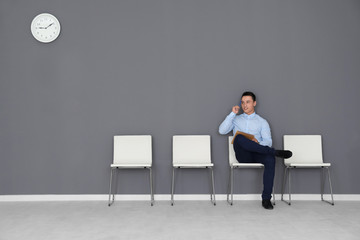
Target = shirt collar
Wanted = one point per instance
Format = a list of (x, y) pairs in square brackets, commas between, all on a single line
[(249, 116)]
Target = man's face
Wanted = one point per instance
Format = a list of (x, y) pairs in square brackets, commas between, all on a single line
[(248, 105)]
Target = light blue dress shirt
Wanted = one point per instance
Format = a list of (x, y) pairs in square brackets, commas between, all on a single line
[(252, 124)]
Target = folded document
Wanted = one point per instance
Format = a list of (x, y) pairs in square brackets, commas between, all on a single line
[(247, 135)]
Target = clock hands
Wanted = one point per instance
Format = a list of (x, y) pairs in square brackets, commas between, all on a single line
[(46, 27), (49, 25)]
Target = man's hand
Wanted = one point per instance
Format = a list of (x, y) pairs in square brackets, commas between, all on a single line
[(255, 140), (236, 109)]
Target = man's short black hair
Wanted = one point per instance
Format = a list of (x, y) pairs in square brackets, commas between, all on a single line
[(249, 94)]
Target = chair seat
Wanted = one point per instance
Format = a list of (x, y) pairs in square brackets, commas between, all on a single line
[(308, 165), (130, 165), (193, 165), (247, 165)]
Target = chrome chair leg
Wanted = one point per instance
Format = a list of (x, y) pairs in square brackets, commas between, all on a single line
[(110, 202), (274, 195), (286, 180), (232, 186), (211, 190), (213, 186), (322, 183), (283, 184), (289, 180), (228, 189), (113, 192), (331, 192), (172, 186), (151, 187)]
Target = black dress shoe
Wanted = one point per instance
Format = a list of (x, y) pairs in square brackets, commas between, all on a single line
[(267, 204), (283, 153)]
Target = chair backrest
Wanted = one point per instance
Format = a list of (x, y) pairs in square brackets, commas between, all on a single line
[(191, 149), (305, 148), (232, 157), (132, 149)]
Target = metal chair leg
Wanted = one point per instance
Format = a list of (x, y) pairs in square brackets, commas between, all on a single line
[(116, 186), (331, 192), (289, 180), (283, 184), (274, 195), (151, 187), (322, 183), (232, 186), (228, 189), (213, 186), (110, 202), (286, 179), (172, 186), (211, 190)]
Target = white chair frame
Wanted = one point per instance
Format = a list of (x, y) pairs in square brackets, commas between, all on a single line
[(300, 159), (188, 154), (234, 164), (129, 156)]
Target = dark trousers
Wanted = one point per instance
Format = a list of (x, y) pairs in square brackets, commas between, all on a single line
[(248, 151)]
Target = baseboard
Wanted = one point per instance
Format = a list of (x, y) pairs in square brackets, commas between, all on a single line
[(166, 197)]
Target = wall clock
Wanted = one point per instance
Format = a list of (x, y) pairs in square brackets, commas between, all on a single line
[(45, 27)]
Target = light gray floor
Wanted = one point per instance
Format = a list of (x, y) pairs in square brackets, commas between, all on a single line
[(185, 220)]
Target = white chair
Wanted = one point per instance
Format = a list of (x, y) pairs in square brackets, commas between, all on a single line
[(192, 151), (234, 164), (132, 152), (307, 153)]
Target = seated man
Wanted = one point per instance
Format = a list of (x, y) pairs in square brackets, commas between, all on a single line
[(257, 150)]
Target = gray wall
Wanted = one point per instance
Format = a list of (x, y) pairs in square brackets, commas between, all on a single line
[(165, 67)]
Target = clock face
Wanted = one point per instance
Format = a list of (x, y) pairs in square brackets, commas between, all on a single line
[(45, 27)]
